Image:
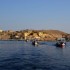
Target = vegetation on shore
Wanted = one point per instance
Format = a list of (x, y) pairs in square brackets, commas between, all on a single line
[(42, 35)]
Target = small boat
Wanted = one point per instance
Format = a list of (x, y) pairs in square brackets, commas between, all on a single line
[(26, 40), (61, 42), (35, 43)]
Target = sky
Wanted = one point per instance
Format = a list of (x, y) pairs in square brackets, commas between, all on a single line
[(35, 14)]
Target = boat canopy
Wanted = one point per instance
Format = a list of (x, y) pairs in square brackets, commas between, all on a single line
[(61, 39)]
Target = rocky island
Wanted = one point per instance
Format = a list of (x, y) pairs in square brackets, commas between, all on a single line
[(42, 35)]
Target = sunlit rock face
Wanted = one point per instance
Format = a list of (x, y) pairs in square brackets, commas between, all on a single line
[(34, 34)]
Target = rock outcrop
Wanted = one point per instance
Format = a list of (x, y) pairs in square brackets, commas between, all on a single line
[(48, 35)]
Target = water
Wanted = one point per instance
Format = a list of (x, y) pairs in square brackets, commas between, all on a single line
[(20, 55)]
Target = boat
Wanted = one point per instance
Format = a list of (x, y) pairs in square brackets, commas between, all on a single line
[(26, 40), (35, 43), (61, 42)]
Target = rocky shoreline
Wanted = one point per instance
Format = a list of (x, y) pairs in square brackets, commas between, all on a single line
[(42, 35)]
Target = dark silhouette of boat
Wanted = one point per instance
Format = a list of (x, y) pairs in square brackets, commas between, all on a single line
[(35, 42)]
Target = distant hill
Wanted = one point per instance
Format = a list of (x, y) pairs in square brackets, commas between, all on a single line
[(52, 31), (32, 34), (55, 32)]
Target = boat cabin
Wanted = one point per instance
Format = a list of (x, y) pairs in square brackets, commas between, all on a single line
[(61, 42)]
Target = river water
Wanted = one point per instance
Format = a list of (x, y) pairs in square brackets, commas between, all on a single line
[(21, 55)]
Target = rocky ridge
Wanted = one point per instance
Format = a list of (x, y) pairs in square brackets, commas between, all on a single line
[(43, 35)]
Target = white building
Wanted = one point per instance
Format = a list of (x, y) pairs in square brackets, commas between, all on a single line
[(1, 30)]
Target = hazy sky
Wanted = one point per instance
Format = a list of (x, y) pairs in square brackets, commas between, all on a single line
[(35, 14)]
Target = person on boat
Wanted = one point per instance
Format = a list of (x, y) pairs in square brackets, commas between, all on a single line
[(35, 42)]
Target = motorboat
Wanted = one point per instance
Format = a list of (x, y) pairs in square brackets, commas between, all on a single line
[(61, 42), (35, 43)]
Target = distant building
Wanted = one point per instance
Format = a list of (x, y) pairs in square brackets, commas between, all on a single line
[(10, 31), (1, 30), (16, 36), (40, 33)]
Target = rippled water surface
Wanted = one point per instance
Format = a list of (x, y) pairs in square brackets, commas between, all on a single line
[(20, 55)]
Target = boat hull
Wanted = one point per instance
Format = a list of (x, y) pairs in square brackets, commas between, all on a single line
[(60, 45)]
